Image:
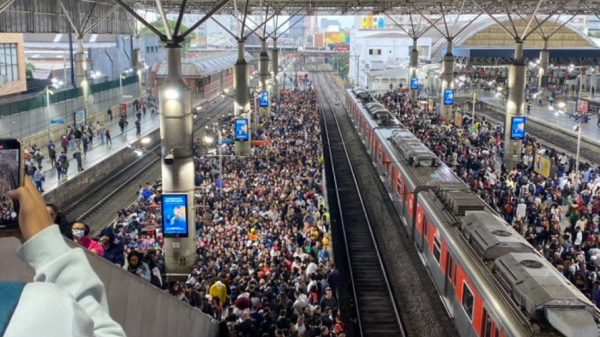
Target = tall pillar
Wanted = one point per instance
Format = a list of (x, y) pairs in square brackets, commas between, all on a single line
[(447, 81), (275, 68), (176, 129), (264, 74), (80, 71), (544, 62), (136, 63), (582, 81), (241, 104), (514, 106), (414, 64), (594, 80)]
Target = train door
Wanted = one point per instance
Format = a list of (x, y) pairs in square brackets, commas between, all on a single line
[(449, 292), (489, 328)]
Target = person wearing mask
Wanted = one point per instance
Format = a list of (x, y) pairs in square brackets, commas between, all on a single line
[(80, 235), (136, 266), (59, 302), (113, 252)]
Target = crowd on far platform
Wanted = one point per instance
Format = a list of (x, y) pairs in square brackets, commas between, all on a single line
[(559, 215)]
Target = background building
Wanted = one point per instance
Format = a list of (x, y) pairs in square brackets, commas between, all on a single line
[(12, 65), (378, 49)]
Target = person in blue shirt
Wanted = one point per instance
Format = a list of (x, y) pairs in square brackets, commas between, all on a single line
[(596, 294)]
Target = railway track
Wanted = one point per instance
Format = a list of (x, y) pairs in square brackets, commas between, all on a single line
[(97, 207), (376, 310)]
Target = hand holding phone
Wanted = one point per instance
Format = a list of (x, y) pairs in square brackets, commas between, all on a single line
[(11, 173)]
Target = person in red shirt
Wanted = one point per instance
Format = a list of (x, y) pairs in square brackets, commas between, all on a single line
[(80, 235)]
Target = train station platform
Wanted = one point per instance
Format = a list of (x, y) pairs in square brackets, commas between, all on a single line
[(99, 151), (551, 118)]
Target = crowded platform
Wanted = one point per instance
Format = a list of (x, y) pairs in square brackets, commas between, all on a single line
[(559, 214), (265, 264)]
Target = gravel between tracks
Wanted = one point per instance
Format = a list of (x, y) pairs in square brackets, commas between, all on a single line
[(420, 307)]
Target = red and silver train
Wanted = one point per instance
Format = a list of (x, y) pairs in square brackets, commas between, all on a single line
[(491, 280)]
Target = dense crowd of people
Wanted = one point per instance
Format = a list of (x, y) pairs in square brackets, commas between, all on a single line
[(265, 264), (9, 171), (559, 215)]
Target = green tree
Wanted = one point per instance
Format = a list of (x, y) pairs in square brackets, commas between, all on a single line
[(341, 61), (29, 69), (158, 24)]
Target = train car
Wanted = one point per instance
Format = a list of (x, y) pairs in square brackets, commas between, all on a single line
[(492, 282)]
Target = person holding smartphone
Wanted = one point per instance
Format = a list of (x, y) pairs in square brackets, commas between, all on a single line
[(59, 302)]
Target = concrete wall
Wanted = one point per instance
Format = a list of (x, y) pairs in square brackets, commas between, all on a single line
[(140, 308), (33, 126)]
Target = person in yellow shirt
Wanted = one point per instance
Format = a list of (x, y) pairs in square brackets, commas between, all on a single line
[(219, 290), (253, 235)]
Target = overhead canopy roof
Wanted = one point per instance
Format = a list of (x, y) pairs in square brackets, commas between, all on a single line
[(204, 66), (48, 16), (352, 7)]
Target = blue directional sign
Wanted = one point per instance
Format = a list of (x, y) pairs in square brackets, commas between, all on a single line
[(414, 83), (517, 127), (449, 97), (57, 121), (264, 99)]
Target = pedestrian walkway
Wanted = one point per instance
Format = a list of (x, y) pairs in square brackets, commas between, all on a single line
[(552, 118), (100, 151)]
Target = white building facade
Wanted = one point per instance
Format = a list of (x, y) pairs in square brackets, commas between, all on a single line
[(374, 53)]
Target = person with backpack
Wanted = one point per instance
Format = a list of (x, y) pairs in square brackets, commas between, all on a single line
[(122, 124), (52, 156), (79, 159), (38, 157), (110, 114), (38, 177), (65, 165), (138, 128), (108, 137)]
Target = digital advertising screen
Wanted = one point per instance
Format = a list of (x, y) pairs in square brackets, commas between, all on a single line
[(517, 128), (241, 130), (263, 100), (449, 97), (414, 83), (174, 215)]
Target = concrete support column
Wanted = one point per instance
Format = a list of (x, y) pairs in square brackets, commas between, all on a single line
[(582, 81), (80, 65), (594, 79), (447, 81), (176, 128), (515, 106), (264, 74), (544, 63), (414, 64), (136, 62), (275, 69), (241, 104)]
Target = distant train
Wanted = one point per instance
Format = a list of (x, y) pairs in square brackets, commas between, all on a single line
[(491, 280)]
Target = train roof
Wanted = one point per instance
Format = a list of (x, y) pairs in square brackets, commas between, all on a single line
[(417, 163), (523, 278)]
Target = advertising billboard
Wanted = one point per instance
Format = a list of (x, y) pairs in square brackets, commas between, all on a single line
[(449, 97), (241, 130), (263, 100), (517, 128), (174, 215), (414, 83)]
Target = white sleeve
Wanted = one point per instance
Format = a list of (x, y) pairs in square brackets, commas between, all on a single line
[(54, 262)]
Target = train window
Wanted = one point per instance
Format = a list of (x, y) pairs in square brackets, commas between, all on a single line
[(468, 301), (437, 248), (399, 185), (425, 227), (486, 325)]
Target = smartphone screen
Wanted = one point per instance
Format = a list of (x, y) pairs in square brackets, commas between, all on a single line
[(10, 179)]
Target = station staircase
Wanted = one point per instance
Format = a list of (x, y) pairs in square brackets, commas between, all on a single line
[(140, 308)]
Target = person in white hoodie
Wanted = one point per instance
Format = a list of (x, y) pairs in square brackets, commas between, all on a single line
[(66, 297)]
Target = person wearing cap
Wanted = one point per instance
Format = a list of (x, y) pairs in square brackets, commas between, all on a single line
[(112, 251), (329, 301)]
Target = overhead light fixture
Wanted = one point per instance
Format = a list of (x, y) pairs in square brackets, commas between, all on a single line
[(171, 93), (145, 140)]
